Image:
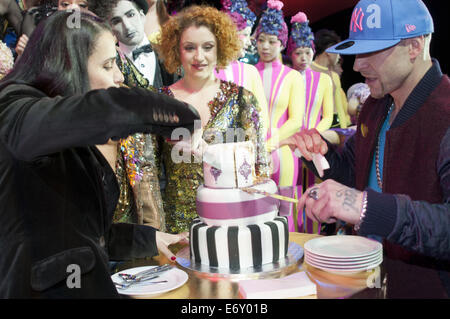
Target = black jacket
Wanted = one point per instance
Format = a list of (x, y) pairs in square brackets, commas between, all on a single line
[(58, 193)]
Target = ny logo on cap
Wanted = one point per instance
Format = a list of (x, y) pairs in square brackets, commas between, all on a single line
[(373, 21)]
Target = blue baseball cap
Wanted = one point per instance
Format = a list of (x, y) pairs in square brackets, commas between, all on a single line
[(379, 24)]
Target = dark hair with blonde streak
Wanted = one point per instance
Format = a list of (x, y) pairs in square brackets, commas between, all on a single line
[(228, 44)]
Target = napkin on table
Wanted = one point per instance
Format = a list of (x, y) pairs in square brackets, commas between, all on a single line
[(295, 285)]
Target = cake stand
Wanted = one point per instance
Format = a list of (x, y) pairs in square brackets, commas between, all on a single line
[(270, 270)]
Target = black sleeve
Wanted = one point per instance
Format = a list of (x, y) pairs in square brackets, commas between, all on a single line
[(419, 226), (33, 125), (128, 241)]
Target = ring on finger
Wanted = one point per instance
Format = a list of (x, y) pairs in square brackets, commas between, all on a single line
[(313, 193)]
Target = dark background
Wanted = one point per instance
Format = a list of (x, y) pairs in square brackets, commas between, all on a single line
[(339, 22)]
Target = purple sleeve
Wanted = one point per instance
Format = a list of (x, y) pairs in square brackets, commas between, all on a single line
[(416, 225)]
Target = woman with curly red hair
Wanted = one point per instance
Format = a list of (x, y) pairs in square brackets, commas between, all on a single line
[(195, 42)]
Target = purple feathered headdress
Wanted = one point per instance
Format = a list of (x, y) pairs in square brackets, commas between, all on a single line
[(272, 22), (239, 12), (301, 34)]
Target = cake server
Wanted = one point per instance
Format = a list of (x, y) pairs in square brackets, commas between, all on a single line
[(276, 196)]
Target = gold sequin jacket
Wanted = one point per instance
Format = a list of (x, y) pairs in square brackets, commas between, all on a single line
[(232, 107)]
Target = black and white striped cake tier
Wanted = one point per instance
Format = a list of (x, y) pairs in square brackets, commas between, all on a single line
[(239, 247)]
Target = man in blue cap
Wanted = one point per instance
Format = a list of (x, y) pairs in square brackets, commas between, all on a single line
[(392, 178)]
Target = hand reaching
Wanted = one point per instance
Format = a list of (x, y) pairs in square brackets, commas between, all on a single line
[(164, 240), (21, 44)]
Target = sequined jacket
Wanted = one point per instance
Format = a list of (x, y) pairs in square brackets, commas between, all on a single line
[(232, 108), (138, 167)]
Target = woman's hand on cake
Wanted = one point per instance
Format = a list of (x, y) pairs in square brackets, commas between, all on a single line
[(164, 240)]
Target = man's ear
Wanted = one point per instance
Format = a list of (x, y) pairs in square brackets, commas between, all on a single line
[(416, 46)]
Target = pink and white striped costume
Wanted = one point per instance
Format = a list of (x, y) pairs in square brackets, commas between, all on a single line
[(285, 93)]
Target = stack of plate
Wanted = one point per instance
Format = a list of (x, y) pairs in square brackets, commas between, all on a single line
[(343, 253)]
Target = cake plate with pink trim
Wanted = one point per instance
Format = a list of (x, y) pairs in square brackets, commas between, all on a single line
[(271, 270)]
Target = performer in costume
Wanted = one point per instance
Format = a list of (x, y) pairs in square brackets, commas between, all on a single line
[(285, 93), (222, 105), (244, 74), (319, 87), (319, 101)]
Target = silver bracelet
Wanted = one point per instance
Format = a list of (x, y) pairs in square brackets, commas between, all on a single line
[(363, 211)]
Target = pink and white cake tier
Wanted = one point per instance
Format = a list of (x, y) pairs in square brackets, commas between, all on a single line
[(236, 230)]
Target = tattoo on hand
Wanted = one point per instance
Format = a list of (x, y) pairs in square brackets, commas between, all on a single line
[(350, 197)]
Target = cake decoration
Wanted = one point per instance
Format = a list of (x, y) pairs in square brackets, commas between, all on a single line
[(236, 229)]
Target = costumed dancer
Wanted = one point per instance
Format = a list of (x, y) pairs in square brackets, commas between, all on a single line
[(284, 88), (319, 99), (244, 74)]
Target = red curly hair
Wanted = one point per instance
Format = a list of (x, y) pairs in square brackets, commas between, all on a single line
[(223, 28)]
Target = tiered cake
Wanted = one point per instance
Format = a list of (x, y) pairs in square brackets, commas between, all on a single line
[(235, 229)]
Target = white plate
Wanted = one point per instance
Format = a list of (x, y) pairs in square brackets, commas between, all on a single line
[(340, 261), (375, 254), (343, 246), (338, 270), (344, 267), (175, 278), (343, 264)]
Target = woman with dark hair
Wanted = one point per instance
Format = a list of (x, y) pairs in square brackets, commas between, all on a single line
[(58, 192)]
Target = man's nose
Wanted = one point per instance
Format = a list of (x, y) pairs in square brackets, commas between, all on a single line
[(359, 63)]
